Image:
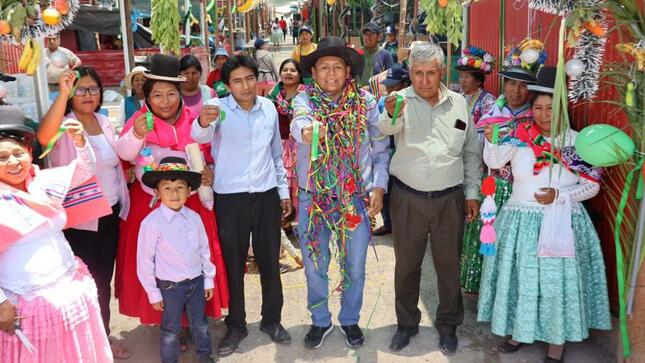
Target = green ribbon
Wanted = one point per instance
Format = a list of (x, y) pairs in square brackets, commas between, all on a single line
[(495, 135), (210, 5), (222, 115), (397, 108), (78, 79), (620, 260), (314, 141), (150, 123), (52, 142)]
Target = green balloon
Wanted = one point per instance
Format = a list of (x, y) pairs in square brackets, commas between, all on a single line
[(604, 145)]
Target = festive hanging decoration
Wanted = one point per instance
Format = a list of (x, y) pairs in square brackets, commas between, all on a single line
[(636, 51), (21, 20), (590, 48), (334, 179), (30, 57), (444, 20), (487, 212), (164, 24)]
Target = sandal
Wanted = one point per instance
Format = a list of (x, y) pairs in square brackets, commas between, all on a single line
[(508, 347), (548, 359), (119, 351)]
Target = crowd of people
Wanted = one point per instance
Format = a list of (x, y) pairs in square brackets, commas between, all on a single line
[(340, 137)]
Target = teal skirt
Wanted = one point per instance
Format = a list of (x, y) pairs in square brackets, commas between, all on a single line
[(554, 300), (471, 259)]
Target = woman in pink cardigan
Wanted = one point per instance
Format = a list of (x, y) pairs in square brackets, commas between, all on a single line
[(139, 146), (95, 242)]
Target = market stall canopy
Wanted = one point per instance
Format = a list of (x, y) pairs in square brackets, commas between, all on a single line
[(95, 19)]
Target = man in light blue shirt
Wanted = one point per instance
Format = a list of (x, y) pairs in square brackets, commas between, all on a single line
[(251, 194), (342, 179)]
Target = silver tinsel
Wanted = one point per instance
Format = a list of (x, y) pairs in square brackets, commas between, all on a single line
[(555, 7), (590, 50)]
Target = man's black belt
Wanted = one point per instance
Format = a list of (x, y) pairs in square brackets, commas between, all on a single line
[(432, 194)]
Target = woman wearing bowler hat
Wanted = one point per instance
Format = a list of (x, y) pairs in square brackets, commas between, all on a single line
[(143, 145)]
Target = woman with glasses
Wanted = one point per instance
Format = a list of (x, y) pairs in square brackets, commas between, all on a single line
[(95, 242)]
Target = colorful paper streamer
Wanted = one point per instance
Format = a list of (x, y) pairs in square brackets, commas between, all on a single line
[(52, 142)]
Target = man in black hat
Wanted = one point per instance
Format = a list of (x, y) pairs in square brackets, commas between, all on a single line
[(342, 179), (377, 59)]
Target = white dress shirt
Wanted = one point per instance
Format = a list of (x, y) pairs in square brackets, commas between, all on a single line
[(246, 147), (173, 246)]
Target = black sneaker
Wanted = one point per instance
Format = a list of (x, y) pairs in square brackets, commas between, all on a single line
[(353, 335), (231, 341), (316, 336)]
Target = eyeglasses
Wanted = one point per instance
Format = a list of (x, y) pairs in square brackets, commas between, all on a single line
[(82, 91)]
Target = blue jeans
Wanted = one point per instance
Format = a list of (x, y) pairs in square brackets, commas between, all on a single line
[(317, 280), (179, 296)]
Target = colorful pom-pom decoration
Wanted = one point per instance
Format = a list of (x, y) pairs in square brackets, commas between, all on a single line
[(488, 212), (488, 186)]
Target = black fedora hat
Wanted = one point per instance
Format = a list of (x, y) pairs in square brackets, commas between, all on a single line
[(545, 80), (12, 125), (334, 47), (164, 68), (172, 168)]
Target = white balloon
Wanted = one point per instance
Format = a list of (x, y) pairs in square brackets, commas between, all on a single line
[(529, 55), (3, 91), (59, 59), (574, 67)]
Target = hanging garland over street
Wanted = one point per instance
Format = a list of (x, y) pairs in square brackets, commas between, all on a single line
[(164, 24), (21, 20)]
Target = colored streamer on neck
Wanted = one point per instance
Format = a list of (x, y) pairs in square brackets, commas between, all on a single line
[(52, 142), (397, 108)]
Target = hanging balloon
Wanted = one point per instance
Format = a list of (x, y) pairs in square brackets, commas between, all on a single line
[(604, 145), (59, 59), (574, 67), (3, 91), (529, 55)]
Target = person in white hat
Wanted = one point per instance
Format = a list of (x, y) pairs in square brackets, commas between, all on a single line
[(134, 82)]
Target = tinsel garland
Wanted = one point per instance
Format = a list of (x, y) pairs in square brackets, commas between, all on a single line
[(555, 7), (40, 29), (590, 50), (334, 179)]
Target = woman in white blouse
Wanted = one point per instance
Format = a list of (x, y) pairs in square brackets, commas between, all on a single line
[(95, 242), (543, 289), (48, 304)]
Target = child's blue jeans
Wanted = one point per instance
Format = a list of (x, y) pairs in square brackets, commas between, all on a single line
[(185, 295)]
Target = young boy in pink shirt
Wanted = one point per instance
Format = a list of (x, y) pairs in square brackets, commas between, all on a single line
[(173, 259)]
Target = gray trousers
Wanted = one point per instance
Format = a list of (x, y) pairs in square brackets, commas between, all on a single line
[(415, 216)]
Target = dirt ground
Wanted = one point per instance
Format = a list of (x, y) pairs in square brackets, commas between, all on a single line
[(378, 319)]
